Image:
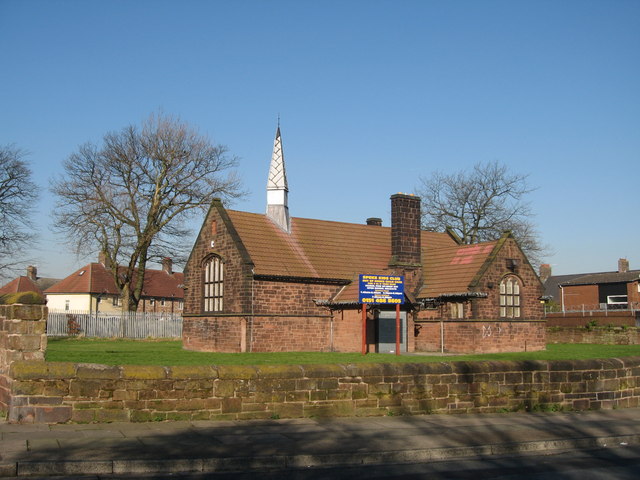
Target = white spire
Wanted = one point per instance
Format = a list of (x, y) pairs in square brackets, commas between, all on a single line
[(277, 189)]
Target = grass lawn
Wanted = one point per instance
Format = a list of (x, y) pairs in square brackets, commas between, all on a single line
[(170, 353)]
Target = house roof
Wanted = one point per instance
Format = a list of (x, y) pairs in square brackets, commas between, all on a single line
[(451, 270), (94, 278), (320, 249), (603, 277), (328, 250), (20, 284), (25, 284)]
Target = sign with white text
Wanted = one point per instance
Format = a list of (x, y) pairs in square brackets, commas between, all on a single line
[(381, 289)]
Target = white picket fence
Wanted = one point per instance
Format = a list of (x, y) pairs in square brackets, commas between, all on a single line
[(113, 324)]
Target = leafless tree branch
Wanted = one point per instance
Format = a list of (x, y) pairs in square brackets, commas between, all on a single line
[(132, 196), (17, 196), (480, 205)]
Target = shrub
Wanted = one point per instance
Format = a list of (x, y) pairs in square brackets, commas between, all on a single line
[(25, 298)]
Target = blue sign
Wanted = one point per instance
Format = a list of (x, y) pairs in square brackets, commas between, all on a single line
[(381, 289)]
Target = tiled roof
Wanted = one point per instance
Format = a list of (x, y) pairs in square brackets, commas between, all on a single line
[(450, 270), (20, 284), (603, 277), (320, 249), (95, 278)]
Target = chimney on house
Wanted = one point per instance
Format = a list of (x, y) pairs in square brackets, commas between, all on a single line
[(277, 188), (545, 272), (405, 230), (32, 273), (377, 222), (167, 265), (104, 260), (623, 265)]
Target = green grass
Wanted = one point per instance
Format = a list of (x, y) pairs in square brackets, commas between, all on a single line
[(170, 353)]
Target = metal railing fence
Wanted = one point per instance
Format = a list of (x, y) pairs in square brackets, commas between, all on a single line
[(586, 309), (62, 323)]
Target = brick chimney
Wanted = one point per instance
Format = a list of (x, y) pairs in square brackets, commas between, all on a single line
[(545, 272), (167, 265), (623, 265), (32, 273), (104, 260), (405, 231), (377, 222)]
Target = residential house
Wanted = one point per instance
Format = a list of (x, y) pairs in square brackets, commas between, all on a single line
[(92, 288), (271, 282), (615, 290), (28, 283)]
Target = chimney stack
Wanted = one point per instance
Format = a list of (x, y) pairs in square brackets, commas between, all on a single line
[(167, 265), (104, 260), (32, 273), (377, 222), (545, 272), (623, 265), (405, 231)]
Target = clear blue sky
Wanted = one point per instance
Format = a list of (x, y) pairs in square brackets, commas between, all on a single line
[(371, 94)]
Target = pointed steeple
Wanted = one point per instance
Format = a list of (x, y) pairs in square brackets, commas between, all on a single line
[(277, 188)]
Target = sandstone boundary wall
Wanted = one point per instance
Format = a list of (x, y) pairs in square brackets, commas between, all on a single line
[(49, 392), (33, 390), (596, 335)]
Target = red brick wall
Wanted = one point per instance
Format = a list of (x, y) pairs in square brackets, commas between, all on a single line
[(633, 295), (481, 336), (603, 318), (577, 297)]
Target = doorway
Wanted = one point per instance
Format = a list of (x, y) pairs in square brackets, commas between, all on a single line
[(386, 331)]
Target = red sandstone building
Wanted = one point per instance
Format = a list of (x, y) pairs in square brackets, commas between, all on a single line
[(270, 282)]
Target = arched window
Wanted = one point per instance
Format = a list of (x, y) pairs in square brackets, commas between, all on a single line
[(213, 285), (510, 298)]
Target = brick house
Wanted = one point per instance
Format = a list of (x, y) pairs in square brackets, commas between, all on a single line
[(92, 288), (615, 290), (271, 282)]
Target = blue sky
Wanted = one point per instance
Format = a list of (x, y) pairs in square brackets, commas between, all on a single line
[(371, 95)]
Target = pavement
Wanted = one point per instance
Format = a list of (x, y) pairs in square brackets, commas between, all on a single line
[(205, 447)]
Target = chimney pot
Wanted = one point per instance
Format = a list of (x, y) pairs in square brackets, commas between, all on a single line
[(374, 221)]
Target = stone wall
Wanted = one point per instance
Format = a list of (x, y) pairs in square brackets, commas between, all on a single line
[(480, 336), (22, 337), (597, 335), (63, 392)]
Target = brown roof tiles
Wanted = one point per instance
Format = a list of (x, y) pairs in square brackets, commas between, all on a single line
[(95, 278), (320, 249)]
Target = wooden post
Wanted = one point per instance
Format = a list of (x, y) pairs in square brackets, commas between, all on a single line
[(397, 329), (364, 328)]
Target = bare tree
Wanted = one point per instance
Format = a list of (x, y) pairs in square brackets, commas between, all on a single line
[(17, 196), (131, 197), (480, 205)]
